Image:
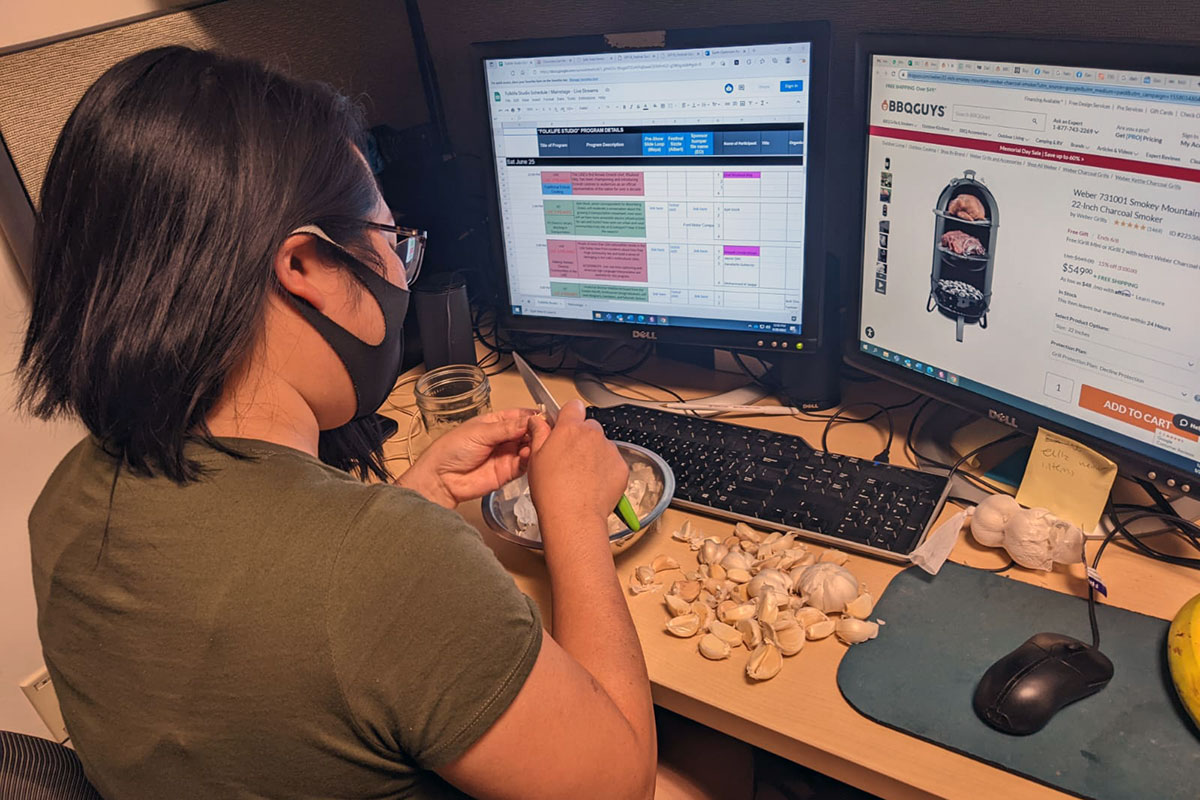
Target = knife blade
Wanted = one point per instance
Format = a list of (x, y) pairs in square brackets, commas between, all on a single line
[(542, 395), (537, 389)]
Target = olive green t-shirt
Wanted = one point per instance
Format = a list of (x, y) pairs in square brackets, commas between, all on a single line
[(275, 629)]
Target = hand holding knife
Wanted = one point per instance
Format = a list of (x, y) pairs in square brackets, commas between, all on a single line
[(542, 395)]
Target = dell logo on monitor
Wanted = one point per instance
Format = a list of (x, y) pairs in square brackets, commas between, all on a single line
[(644, 334), (1000, 416)]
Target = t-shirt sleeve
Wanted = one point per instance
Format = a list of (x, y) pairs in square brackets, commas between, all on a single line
[(431, 639)]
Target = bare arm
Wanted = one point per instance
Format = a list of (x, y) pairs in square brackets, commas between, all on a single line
[(583, 724)]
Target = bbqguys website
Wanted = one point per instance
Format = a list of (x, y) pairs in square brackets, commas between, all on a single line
[(1033, 235)]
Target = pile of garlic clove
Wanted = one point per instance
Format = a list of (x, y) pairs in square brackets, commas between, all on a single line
[(766, 592)]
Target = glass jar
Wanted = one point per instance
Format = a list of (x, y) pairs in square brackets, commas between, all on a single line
[(450, 395)]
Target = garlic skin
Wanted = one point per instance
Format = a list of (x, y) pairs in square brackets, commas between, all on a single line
[(854, 631), (990, 517), (765, 662), (642, 580), (828, 586)]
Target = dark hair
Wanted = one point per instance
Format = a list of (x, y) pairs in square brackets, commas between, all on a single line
[(171, 187)]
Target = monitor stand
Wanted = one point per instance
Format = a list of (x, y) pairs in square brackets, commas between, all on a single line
[(809, 381)]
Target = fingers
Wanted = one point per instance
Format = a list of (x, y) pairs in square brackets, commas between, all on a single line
[(572, 412), (539, 432), (502, 426)]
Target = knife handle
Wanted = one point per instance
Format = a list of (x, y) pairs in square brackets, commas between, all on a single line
[(624, 510)]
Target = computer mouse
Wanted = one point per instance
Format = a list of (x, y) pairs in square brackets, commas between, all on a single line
[(1024, 689)]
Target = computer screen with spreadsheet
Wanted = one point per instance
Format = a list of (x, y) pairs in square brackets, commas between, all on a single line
[(661, 189)]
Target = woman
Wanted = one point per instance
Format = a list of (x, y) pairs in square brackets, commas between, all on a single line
[(218, 295)]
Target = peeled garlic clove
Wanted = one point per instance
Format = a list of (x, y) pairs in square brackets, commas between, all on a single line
[(663, 563), (716, 571), (748, 546), (677, 605), (832, 556), (694, 575), (788, 637), (819, 630), (714, 647), (746, 533), (810, 616), (738, 613), (751, 633), (684, 626), (740, 594), (730, 542), (738, 575), (713, 587), (853, 631), (765, 662), (726, 633), (771, 538), (860, 606), (708, 598), (703, 612), (688, 590)]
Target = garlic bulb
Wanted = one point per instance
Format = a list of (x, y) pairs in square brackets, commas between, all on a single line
[(765, 662), (990, 517), (1035, 538), (828, 586), (853, 631)]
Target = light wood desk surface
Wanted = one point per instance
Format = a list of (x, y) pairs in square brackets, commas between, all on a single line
[(800, 714)]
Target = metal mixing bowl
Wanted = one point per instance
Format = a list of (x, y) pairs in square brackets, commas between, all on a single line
[(498, 512)]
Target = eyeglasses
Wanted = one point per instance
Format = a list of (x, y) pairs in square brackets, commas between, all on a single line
[(410, 245)]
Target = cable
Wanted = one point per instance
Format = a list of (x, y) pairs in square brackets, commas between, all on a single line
[(883, 454)]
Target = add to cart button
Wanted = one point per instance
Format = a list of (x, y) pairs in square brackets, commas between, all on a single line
[(1132, 412)]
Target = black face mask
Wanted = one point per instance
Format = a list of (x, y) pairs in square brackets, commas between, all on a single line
[(373, 368)]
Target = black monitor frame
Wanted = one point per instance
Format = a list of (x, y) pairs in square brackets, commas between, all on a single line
[(813, 307), (1168, 58)]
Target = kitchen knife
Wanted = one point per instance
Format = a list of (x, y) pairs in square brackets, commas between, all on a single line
[(542, 395)]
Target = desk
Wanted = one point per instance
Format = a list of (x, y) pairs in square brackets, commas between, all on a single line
[(800, 714)]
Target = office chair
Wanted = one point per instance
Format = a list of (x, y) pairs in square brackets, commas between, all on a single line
[(39, 769)]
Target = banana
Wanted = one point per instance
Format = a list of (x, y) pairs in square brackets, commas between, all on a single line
[(1183, 656)]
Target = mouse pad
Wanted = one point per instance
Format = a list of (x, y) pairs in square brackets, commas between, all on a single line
[(1130, 741)]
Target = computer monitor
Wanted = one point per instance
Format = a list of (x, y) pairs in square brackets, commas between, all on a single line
[(1031, 237), (664, 187)]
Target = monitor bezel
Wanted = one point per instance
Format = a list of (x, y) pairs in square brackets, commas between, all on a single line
[(1183, 59), (813, 305)]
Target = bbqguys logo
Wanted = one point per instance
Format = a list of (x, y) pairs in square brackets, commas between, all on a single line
[(919, 109)]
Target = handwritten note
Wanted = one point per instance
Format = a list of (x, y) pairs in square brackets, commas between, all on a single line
[(1070, 479)]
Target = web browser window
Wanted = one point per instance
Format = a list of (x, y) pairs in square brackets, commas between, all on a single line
[(655, 188), (1038, 241)]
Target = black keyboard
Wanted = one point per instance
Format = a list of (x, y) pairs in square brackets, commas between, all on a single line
[(778, 481)]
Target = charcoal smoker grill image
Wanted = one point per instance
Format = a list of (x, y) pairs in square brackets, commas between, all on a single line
[(964, 251)]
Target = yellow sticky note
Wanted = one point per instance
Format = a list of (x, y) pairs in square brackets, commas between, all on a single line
[(1070, 479)]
